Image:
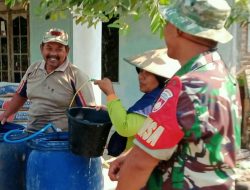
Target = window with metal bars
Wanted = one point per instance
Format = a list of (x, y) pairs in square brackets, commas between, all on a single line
[(14, 43)]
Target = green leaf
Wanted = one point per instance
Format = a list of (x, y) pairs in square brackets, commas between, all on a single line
[(93, 11)]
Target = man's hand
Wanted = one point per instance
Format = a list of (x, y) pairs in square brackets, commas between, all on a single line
[(3, 118), (115, 166), (134, 164)]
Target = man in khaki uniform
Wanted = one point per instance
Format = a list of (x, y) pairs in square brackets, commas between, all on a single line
[(50, 85)]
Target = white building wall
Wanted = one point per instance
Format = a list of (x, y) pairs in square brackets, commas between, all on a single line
[(87, 53)]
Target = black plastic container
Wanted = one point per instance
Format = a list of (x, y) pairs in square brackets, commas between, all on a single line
[(88, 131)]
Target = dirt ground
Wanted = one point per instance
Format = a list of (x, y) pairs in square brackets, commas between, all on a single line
[(243, 171)]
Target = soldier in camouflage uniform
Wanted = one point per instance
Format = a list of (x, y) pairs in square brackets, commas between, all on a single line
[(190, 139)]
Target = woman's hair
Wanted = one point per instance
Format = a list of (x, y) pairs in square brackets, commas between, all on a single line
[(162, 80)]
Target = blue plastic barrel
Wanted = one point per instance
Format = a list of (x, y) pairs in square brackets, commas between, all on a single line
[(52, 166), (13, 159)]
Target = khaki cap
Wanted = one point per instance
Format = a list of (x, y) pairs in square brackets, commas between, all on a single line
[(56, 35)]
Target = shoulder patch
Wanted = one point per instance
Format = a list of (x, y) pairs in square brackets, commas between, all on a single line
[(165, 95)]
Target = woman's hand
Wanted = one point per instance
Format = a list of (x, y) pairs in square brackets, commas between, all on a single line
[(105, 85)]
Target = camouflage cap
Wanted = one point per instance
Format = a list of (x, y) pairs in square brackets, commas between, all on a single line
[(202, 18), (56, 35), (156, 62)]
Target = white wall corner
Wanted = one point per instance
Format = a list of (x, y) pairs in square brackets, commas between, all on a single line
[(87, 52)]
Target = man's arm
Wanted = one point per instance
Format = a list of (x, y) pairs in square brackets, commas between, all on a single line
[(16, 103), (136, 170)]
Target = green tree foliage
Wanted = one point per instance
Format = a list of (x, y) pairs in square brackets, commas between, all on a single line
[(240, 13), (93, 11)]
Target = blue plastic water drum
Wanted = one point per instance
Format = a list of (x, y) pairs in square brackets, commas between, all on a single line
[(13, 159), (52, 166)]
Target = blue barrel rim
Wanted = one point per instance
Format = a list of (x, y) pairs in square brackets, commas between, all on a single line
[(50, 142), (9, 126), (8, 136)]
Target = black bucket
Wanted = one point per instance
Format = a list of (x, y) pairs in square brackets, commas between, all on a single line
[(88, 131)]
